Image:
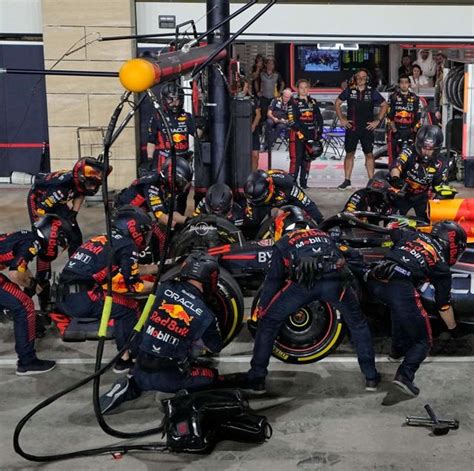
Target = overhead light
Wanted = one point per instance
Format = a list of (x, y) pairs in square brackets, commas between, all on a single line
[(349, 46), (338, 46), (329, 46)]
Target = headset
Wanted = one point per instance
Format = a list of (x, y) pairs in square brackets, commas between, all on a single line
[(367, 80)]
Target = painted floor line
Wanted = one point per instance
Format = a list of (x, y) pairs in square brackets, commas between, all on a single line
[(246, 359)]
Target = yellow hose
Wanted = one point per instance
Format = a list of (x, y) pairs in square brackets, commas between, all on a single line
[(104, 320)]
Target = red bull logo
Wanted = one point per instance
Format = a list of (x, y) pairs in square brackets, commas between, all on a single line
[(177, 312), (135, 233), (429, 248), (52, 249), (177, 138), (403, 114)]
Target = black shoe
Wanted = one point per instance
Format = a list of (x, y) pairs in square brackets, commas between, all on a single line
[(254, 386), (345, 185), (395, 357), (115, 396), (405, 385), (304, 186), (36, 367), (372, 384), (123, 366)]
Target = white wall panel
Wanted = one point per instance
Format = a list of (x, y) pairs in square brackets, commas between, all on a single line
[(21, 16), (400, 22)]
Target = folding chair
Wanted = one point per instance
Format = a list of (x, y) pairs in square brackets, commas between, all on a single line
[(333, 137)]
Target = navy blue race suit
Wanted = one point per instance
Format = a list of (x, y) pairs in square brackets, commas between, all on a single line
[(419, 179), (84, 281), (282, 295), (306, 124), (181, 125), (178, 318), (360, 111), (149, 193), (405, 114), (52, 193), (415, 258), (17, 250), (273, 130), (285, 191)]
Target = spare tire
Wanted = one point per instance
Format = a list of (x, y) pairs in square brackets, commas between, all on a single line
[(227, 303), (308, 335), (203, 232)]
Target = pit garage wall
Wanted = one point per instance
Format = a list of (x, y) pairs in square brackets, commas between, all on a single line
[(329, 22), (87, 101), (23, 114)]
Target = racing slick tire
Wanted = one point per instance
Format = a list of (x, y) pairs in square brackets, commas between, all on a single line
[(227, 303), (308, 335)]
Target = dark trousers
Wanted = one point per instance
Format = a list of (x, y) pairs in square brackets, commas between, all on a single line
[(264, 105), (172, 380), (89, 304), (419, 203), (293, 296), (396, 141), (13, 298), (411, 329), (299, 165), (272, 131)]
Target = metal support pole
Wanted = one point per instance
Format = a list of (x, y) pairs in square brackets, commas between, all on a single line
[(219, 111)]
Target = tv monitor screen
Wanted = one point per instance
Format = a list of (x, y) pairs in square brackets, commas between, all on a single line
[(316, 60)]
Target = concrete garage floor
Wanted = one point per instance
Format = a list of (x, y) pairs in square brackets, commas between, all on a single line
[(321, 416)]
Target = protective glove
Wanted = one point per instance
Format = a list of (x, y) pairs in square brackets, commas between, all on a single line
[(444, 192), (73, 217), (401, 223), (383, 271), (396, 182)]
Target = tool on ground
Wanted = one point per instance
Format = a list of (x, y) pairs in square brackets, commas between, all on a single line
[(438, 426)]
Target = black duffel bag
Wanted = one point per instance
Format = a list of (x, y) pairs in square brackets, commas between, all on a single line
[(194, 423)]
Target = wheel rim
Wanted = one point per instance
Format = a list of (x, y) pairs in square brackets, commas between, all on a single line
[(307, 329)]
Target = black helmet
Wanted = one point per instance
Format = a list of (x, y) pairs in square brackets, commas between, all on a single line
[(381, 192), (53, 231), (314, 149), (258, 188), (453, 238), (88, 174), (133, 222), (292, 219), (219, 199), (429, 138), (184, 174), (170, 92), (203, 268)]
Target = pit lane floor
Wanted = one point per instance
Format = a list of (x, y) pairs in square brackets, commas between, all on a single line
[(321, 415)]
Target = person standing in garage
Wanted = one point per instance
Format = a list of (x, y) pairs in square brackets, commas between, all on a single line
[(403, 118), (306, 129), (359, 124)]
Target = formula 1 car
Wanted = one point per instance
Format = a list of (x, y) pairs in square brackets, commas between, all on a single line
[(315, 330)]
